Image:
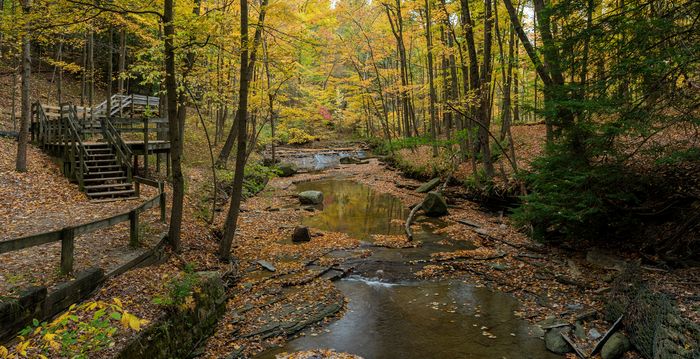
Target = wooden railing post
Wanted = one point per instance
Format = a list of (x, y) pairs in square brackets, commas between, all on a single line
[(80, 168), (162, 205), (137, 188), (145, 145), (31, 126), (67, 249), (134, 228)]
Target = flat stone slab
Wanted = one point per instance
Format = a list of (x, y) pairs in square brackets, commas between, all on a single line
[(267, 265)]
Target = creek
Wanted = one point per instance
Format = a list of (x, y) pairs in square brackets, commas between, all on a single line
[(391, 313)]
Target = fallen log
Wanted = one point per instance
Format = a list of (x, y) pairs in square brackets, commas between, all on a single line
[(409, 232)]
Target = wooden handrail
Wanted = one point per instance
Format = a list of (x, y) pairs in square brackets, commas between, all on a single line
[(112, 136), (72, 126), (67, 235)]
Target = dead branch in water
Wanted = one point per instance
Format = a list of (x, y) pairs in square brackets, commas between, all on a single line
[(409, 220)]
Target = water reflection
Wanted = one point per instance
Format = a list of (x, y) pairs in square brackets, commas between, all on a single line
[(356, 209)]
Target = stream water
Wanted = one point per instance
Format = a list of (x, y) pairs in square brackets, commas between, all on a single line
[(322, 159), (392, 315)]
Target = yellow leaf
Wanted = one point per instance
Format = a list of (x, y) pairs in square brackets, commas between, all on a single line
[(134, 323), (118, 302), (92, 306), (4, 353), (55, 345), (22, 348), (49, 337)]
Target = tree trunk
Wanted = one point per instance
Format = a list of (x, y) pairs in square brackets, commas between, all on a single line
[(91, 72), (234, 210), (485, 92), (83, 79), (110, 74), (121, 66), (178, 180), (59, 81), (473, 75), (408, 114), (21, 163), (270, 97), (230, 139), (431, 84)]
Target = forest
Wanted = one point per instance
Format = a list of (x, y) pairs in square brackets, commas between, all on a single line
[(350, 179)]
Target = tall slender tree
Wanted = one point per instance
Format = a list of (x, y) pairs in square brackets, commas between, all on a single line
[(178, 181), (26, 107), (237, 191)]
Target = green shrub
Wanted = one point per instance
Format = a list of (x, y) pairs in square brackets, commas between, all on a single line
[(256, 177), (179, 290), (573, 198)]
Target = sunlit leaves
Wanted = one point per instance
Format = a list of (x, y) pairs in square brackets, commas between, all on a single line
[(82, 329)]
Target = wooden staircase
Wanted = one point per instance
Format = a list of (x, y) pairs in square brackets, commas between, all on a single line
[(105, 179), (102, 168)]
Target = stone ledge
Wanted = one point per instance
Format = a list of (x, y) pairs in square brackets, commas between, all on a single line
[(178, 332)]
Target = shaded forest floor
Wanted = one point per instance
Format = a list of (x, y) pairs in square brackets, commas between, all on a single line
[(43, 200)]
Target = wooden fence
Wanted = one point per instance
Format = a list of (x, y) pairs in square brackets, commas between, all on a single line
[(67, 235)]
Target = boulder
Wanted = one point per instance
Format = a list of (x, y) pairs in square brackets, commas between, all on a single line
[(605, 261), (615, 347), (287, 169), (428, 186), (555, 343), (434, 205), (301, 234), (311, 197)]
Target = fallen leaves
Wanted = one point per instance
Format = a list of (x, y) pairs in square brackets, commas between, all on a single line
[(318, 354), (481, 253), (394, 241)]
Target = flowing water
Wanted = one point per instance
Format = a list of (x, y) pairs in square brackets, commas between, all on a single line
[(392, 315), (321, 160)]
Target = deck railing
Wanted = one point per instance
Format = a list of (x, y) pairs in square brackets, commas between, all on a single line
[(114, 138), (61, 135), (67, 235)]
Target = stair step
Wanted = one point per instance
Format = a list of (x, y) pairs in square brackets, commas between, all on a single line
[(99, 150), (102, 173), (112, 193), (105, 160), (108, 185), (102, 200), (100, 155), (105, 179), (92, 131), (99, 167)]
